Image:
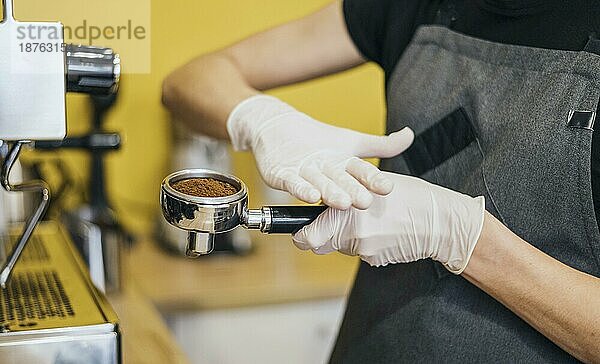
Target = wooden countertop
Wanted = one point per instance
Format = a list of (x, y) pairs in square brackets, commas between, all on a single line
[(146, 339), (274, 272)]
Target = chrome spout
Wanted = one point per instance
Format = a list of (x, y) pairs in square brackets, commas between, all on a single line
[(199, 244)]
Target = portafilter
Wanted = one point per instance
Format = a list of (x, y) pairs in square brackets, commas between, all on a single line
[(203, 217)]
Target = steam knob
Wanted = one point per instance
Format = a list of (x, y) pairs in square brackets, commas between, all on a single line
[(92, 70)]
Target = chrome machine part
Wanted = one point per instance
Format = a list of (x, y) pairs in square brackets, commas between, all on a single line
[(203, 217), (189, 151), (92, 70), (199, 244), (254, 219), (30, 186), (203, 214), (258, 219)]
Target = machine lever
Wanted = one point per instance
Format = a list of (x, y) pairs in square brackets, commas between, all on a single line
[(35, 185)]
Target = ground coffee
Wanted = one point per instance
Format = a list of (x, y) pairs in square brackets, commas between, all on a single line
[(204, 187)]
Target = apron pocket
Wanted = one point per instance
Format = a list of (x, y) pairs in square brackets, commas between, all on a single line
[(440, 142), (449, 154)]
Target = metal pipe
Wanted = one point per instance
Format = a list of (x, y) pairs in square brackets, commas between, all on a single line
[(8, 13), (31, 186)]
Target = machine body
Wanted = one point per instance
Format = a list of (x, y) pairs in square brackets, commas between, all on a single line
[(32, 96), (50, 311), (32, 99)]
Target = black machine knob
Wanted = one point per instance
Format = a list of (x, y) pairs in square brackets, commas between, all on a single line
[(92, 70)]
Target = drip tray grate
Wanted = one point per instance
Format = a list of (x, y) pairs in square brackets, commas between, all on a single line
[(32, 297)]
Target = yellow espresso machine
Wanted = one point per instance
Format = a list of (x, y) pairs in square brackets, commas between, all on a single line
[(50, 312)]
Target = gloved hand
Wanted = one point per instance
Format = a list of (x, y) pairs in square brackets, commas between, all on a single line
[(309, 159), (418, 220)]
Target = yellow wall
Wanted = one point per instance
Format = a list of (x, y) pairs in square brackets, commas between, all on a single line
[(180, 30)]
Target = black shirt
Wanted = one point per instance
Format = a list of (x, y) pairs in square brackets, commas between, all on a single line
[(382, 29)]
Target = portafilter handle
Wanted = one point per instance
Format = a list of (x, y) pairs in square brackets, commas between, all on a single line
[(268, 219), (281, 219)]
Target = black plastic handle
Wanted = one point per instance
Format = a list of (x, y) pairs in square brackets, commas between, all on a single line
[(94, 141), (289, 219)]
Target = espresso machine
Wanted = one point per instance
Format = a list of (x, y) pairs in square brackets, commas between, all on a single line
[(50, 311), (93, 225)]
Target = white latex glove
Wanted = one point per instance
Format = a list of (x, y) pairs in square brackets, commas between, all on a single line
[(313, 160), (418, 220)]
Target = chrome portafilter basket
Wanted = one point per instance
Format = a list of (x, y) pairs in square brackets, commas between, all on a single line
[(203, 217)]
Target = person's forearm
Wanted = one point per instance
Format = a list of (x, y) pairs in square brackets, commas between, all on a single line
[(202, 93), (560, 302)]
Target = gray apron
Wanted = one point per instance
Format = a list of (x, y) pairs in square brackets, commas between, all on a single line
[(513, 124)]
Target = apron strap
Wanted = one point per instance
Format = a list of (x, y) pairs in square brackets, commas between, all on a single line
[(592, 46)]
